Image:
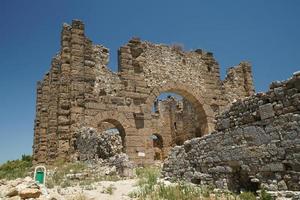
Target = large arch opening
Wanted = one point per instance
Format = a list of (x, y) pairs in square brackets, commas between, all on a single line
[(178, 117), (113, 127), (179, 113)]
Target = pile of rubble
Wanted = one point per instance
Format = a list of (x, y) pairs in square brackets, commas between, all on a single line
[(21, 189), (92, 145), (102, 150)]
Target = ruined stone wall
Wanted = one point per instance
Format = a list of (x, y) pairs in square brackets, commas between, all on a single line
[(238, 82), (255, 145), (177, 122), (80, 90)]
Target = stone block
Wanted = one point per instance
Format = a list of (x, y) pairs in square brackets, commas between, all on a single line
[(266, 111)]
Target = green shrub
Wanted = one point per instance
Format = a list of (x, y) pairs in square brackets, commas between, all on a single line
[(147, 180), (16, 168), (264, 195), (247, 196)]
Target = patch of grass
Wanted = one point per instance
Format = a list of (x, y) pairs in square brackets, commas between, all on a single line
[(147, 180), (247, 196), (86, 182), (110, 189), (181, 191), (264, 195), (150, 188), (16, 168), (108, 178), (206, 191), (79, 196), (178, 191), (61, 169), (65, 184), (50, 184)]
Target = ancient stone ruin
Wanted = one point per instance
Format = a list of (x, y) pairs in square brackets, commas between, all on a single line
[(81, 91), (256, 144)]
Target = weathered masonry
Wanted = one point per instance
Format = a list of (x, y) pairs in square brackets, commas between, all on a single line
[(256, 145), (80, 91)]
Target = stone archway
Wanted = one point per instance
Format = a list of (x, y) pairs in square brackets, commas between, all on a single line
[(119, 120), (193, 95), (120, 129)]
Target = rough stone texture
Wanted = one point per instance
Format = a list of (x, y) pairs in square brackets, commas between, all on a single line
[(92, 145), (256, 144), (20, 189), (177, 122), (80, 91)]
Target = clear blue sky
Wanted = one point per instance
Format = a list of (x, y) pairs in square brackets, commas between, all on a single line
[(267, 33)]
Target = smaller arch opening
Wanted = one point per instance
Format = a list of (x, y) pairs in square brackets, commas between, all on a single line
[(158, 146), (101, 142), (114, 128)]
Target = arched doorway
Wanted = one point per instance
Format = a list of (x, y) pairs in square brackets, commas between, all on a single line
[(113, 127), (158, 146), (117, 122), (181, 115)]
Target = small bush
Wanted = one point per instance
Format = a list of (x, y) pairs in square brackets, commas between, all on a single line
[(110, 189), (264, 195), (16, 168), (247, 196), (147, 180)]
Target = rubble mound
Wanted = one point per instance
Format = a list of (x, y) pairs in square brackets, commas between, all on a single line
[(24, 188), (92, 145), (103, 150)]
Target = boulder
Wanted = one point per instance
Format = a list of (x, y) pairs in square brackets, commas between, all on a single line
[(12, 192), (29, 193)]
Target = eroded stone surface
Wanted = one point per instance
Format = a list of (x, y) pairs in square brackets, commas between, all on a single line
[(80, 91), (255, 145)]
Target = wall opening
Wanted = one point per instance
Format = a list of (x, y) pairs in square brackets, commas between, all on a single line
[(240, 181), (177, 117), (113, 127), (158, 146)]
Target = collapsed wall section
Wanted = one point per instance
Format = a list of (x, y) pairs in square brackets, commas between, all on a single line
[(256, 144), (238, 82)]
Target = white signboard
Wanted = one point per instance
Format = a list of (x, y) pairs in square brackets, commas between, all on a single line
[(141, 154)]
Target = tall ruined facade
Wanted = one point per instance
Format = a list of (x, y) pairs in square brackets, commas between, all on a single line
[(81, 91)]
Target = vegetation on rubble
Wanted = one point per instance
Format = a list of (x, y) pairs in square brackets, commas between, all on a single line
[(150, 187), (16, 168)]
